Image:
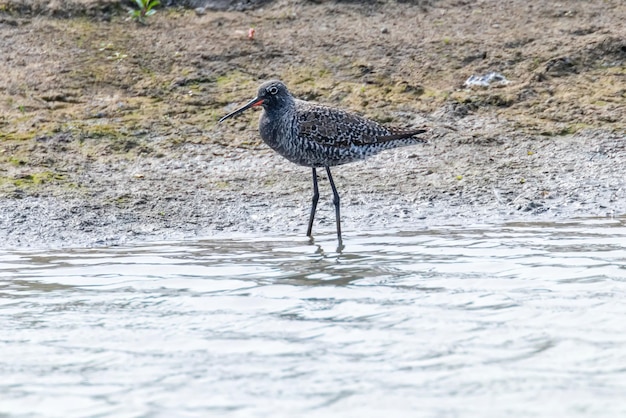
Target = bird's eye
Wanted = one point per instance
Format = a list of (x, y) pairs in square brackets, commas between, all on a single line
[(272, 90)]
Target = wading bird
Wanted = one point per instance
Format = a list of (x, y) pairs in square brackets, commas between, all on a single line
[(319, 136)]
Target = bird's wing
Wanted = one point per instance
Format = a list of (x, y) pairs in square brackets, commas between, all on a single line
[(337, 128)]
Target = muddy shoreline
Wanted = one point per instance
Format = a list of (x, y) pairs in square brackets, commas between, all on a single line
[(109, 132), (257, 193)]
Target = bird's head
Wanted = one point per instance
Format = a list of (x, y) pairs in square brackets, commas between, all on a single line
[(272, 95)]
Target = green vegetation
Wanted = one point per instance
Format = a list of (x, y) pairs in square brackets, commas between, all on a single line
[(146, 8), (32, 180)]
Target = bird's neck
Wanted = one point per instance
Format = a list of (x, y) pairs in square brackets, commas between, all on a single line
[(277, 124)]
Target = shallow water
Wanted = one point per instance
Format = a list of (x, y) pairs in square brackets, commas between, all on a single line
[(492, 320)]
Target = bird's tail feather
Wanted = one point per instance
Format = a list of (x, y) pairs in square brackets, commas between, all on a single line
[(404, 134)]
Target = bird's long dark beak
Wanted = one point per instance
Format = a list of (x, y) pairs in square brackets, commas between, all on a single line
[(254, 102)]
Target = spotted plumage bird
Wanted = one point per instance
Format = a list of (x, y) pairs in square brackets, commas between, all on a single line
[(317, 136)]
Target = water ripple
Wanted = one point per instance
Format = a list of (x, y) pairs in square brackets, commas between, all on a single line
[(490, 320)]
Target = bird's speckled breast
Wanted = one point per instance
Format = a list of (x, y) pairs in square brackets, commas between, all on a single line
[(281, 133)]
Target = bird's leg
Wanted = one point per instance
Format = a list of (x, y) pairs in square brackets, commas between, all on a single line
[(316, 197), (336, 203)]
